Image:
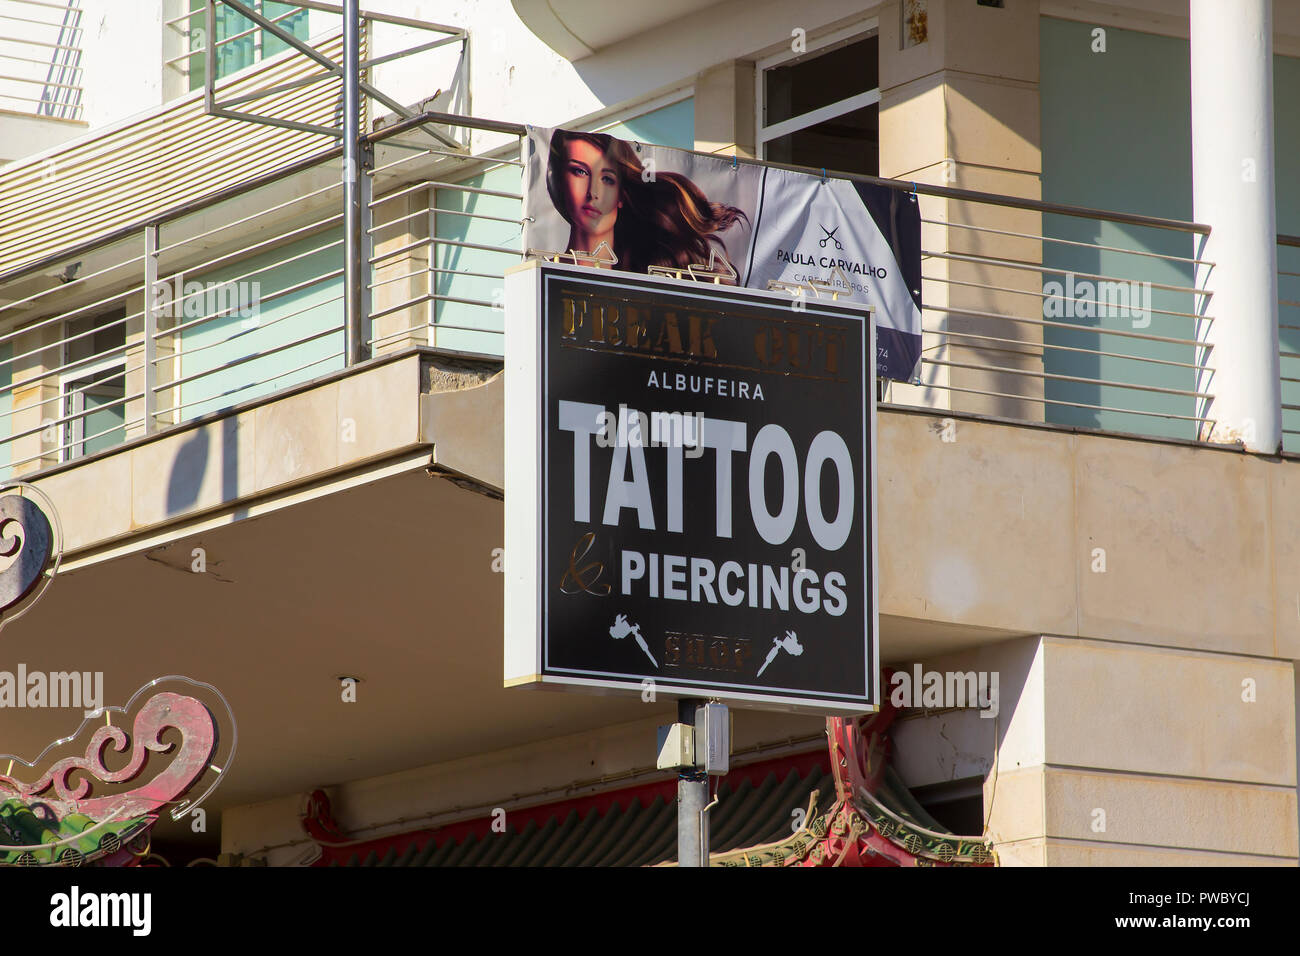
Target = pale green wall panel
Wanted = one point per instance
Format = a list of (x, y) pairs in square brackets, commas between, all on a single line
[(1116, 130), (672, 125), (1116, 135), (282, 317)]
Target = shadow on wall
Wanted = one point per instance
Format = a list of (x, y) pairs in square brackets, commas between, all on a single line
[(189, 469)]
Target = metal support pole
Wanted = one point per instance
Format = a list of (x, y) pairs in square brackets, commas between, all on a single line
[(151, 299), (692, 798), (353, 220), (1234, 190), (367, 184), (209, 55)]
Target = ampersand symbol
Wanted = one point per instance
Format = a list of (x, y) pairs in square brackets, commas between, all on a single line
[(583, 578)]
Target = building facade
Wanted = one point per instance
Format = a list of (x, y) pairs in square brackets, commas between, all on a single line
[(1083, 494)]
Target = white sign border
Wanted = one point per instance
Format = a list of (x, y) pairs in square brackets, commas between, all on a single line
[(525, 428)]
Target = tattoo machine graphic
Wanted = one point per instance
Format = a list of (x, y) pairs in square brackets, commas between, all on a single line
[(791, 645), (621, 629)]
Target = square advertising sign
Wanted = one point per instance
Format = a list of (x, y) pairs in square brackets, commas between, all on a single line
[(690, 491)]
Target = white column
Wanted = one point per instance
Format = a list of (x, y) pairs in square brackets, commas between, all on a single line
[(1233, 193)]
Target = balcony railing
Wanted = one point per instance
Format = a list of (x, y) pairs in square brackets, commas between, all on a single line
[(1288, 333), (238, 297), (40, 57)]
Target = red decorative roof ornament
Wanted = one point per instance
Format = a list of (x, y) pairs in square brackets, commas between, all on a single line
[(80, 811), (870, 822)]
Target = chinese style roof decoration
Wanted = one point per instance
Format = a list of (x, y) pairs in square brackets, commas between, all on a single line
[(79, 811), (872, 820), (842, 806)]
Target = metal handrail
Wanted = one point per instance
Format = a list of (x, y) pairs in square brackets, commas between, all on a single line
[(925, 189), (1065, 242), (1288, 282), (414, 178), (61, 92)]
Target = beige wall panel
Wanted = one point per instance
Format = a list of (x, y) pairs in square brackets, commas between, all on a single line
[(1022, 853), (912, 122), (92, 501), (1099, 854), (988, 40), (946, 508), (1156, 710), (992, 122), (1014, 808), (1186, 534), (1162, 811), (1284, 520), (725, 110), (376, 411), (297, 437)]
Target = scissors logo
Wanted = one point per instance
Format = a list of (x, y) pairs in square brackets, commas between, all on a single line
[(830, 237)]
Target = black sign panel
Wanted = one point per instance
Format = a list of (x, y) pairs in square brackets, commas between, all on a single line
[(707, 492)]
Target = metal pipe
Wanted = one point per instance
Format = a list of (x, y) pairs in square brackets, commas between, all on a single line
[(178, 212), (150, 327), (1053, 401), (1049, 297), (209, 56), (257, 215), (1072, 326), (1065, 242), (190, 352), (384, 18), (366, 188), (125, 426), (353, 227), (1047, 345), (450, 187), (245, 359), (286, 374), (1052, 377), (1047, 270), (946, 192), (262, 300), (692, 797)]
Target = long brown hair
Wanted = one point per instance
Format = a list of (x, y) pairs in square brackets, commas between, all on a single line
[(666, 220)]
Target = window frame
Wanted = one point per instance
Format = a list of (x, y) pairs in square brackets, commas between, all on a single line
[(256, 33), (72, 406), (763, 133)]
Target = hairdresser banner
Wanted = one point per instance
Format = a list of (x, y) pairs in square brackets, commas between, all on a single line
[(653, 205)]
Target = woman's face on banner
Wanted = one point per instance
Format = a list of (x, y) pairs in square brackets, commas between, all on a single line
[(592, 187)]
